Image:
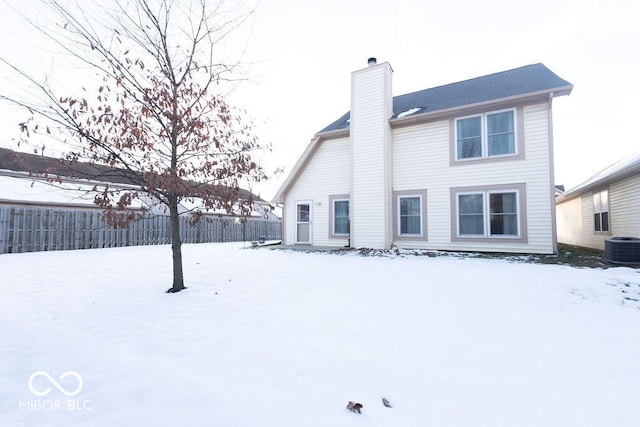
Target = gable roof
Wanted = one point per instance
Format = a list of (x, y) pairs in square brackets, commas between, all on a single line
[(523, 82), (624, 168), (530, 79)]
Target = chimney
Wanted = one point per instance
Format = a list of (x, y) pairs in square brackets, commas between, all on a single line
[(370, 201)]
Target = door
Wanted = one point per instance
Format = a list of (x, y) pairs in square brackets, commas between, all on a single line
[(303, 222)]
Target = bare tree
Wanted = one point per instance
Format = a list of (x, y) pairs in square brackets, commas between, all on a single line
[(157, 114)]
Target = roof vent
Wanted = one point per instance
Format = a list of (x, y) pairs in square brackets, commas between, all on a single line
[(372, 61), (622, 250)]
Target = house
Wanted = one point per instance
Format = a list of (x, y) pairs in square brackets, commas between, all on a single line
[(466, 166), (604, 206), (23, 181)]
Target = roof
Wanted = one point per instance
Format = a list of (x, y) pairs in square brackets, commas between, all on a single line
[(518, 83), (36, 164), (621, 169), (530, 79), (39, 165)]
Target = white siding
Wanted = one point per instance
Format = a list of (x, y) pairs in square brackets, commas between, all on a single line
[(624, 207), (327, 173), (570, 222), (422, 161), (580, 211), (575, 216), (370, 145)]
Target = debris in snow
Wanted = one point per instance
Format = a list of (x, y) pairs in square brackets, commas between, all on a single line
[(408, 112), (386, 403), (354, 407)]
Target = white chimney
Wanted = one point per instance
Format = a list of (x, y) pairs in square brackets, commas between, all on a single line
[(370, 136)]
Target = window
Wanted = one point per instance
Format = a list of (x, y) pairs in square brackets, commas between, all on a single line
[(339, 220), (486, 135), (488, 214), (341, 217), (601, 211), (410, 215), (471, 214), (469, 136), (503, 214)]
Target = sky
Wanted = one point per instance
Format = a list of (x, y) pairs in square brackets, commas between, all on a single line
[(300, 56)]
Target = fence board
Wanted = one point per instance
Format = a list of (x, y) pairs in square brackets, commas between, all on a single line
[(32, 229)]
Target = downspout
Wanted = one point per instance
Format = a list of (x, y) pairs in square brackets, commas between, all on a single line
[(554, 233)]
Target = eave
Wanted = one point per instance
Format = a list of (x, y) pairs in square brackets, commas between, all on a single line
[(591, 185), (540, 96), (529, 98), (304, 159)]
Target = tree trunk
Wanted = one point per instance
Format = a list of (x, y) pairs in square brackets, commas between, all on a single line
[(176, 246)]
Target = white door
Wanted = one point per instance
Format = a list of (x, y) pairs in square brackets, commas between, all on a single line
[(303, 222)]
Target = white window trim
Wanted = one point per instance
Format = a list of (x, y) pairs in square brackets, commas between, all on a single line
[(601, 211), (333, 216), (521, 208), (406, 196), (484, 145), (484, 213), (424, 230)]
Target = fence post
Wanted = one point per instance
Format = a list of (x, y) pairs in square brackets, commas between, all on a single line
[(4, 229)]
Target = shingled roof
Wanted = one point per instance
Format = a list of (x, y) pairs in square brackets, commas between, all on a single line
[(39, 165), (530, 79)]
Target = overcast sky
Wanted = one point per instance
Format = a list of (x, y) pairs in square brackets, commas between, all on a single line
[(302, 54)]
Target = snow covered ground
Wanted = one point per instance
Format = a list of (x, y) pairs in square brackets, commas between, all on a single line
[(277, 338)]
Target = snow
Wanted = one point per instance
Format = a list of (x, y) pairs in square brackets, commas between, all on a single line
[(280, 338), (33, 190), (408, 112)]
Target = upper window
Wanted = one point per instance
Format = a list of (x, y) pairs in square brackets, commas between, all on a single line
[(486, 135), (488, 214), (340, 216), (410, 209), (601, 210)]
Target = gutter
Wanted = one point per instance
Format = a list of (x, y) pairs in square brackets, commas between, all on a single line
[(417, 118), (41, 177), (587, 186), (552, 190)]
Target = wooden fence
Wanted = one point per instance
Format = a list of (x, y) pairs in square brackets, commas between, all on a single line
[(30, 229)]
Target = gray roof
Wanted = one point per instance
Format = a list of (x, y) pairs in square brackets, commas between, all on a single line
[(36, 164), (529, 79)]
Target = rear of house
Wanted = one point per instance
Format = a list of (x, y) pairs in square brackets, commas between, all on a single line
[(466, 166)]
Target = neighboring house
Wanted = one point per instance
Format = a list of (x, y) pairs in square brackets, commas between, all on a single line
[(604, 206), (466, 166), (23, 182)]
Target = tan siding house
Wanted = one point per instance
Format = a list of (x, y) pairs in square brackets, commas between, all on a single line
[(604, 206), (465, 167)]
